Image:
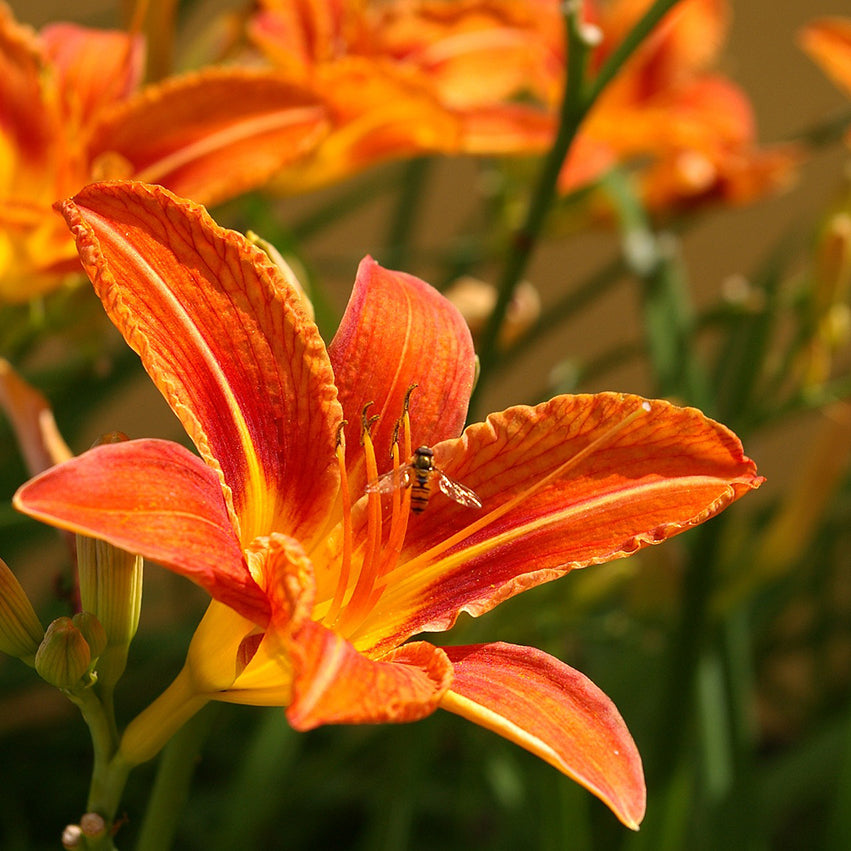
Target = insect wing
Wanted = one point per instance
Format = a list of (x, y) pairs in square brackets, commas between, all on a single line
[(397, 479), (457, 491)]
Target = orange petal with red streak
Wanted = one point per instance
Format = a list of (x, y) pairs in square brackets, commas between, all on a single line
[(227, 342), (398, 331), (334, 684), (665, 471), (212, 134), (553, 711), (155, 498)]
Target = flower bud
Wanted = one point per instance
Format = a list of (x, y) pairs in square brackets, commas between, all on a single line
[(93, 825), (20, 629), (476, 300), (72, 837), (92, 630), (285, 269), (110, 587), (110, 581), (64, 657)]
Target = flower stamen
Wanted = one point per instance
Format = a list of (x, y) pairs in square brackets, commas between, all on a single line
[(437, 550), (346, 559), (369, 567)]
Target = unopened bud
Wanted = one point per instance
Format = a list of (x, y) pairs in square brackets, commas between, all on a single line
[(93, 825), (72, 837), (110, 582), (476, 300), (285, 269), (110, 587), (20, 629), (63, 657), (833, 262), (92, 630)]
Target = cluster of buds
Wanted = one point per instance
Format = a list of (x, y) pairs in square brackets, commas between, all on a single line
[(76, 652)]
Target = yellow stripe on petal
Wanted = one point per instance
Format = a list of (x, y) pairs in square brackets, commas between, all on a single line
[(576, 481), (228, 343), (212, 134), (556, 713)]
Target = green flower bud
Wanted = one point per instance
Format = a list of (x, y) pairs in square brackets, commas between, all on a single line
[(110, 582), (64, 657), (92, 630), (93, 825), (20, 629)]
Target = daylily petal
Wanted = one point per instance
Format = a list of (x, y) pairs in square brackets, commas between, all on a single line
[(331, 682), (398, 331), (297, 33), (334, 684), (828, 42), (475, 52), (32, 419), (212, 134), (553, 711), (378, 113), (687, 40), (30, 114), (227, 342), (666, 470), (155, 498), (508, 129), (95, 67)]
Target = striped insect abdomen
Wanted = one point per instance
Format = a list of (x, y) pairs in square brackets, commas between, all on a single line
[(420, 490)]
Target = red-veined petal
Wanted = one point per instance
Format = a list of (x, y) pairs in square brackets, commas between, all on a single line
[(155, 498), (662, 472), (212, 134), (398, 331), (553, 711), (227, 342)]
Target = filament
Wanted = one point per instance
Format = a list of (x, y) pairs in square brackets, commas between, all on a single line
[(438, 549)]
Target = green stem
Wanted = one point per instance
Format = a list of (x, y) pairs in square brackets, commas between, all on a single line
[(598, 283), (579, 97), (109, 774), (524, 239), (619, 56), (408, 204), (171, 786), (677, 699)]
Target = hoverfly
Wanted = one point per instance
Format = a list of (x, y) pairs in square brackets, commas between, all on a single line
[(420, 475)]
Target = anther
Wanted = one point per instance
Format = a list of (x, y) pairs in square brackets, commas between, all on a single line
[(407, 401), (366, 422), (341, 433)]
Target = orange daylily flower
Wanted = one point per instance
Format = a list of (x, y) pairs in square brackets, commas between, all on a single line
[(827, 41), (408, 78), (71, 112), (691, 131), (320, 589)]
